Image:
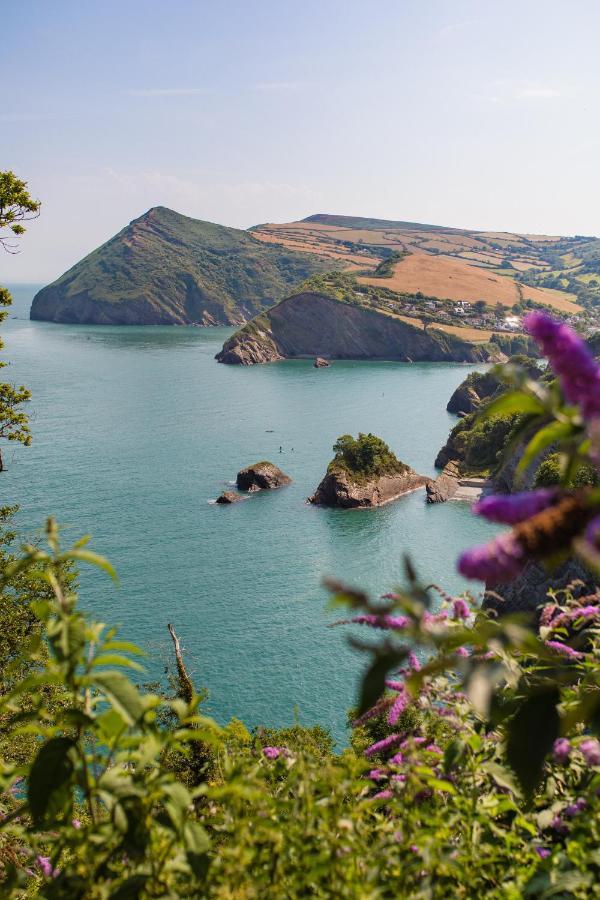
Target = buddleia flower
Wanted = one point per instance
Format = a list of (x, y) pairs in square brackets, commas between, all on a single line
[(510, 509), (570, 358)]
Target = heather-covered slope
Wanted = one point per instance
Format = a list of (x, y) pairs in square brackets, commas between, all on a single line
[(168, 269)]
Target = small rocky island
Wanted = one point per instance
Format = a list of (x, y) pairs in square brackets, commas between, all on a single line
[(262, 476), (228, 497), (365, 473)]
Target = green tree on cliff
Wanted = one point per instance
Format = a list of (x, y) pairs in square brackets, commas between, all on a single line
[(16, 206)]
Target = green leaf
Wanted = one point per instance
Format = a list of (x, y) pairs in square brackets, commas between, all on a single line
[(373, 683), (50, 773), (94, 559), (554, 431), (503, 777), (176, 802), (454, 754), (513, 402), (196, 843), (122, 694), (116, 659), (531, 733)]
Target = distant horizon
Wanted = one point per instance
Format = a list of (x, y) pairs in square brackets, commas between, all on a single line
[(44, 281), (470, 113)]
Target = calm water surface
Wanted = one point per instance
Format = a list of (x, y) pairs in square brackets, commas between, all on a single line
[(136, 429)]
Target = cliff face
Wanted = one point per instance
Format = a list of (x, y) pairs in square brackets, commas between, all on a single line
[(338, 489), (168, 269), (307, 325)]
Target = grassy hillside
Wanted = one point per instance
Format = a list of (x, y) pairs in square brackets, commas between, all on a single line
[(165, 268), (494, 277)]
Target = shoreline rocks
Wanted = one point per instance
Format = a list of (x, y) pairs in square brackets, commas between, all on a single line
[(339, 490), (228, 497), (261, 476), (445, 485)]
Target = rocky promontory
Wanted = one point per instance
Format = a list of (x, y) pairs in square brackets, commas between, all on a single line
[(168, 269), (339, 489), (262, 476), (311, 324), (365, 473)]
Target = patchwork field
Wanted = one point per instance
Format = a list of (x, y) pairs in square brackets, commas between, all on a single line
[(448, 279), (442, 263)]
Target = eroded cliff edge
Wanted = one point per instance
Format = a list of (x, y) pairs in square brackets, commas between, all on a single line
[(310, 324)]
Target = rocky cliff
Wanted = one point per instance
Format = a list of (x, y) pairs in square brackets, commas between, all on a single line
[(338, 488), (169, 269), (311, 324)]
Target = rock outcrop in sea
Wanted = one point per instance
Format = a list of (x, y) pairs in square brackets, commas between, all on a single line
[(338, 488), (261, 476), (228, 497), (321, 363), (445, 485)]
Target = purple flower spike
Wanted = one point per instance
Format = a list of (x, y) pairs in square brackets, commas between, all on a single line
[(461, 609), (46, 867), (543, 852), (571, 359), (510, 509), (498, 561), (385, 621), (591, 751), (398, 707), (561, 750), (274, 752), (563, 649), (381, 746)]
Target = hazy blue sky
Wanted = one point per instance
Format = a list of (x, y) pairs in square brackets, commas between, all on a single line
[(474, 114)]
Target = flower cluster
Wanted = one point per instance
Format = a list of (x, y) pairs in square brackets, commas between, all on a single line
[(549, 520), (570, 358)]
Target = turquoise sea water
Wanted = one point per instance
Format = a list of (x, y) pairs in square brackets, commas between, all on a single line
[(137, 429)]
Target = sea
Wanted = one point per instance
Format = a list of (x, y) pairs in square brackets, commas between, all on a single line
[(137, 430)]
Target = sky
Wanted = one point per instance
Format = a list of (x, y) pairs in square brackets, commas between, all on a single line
[(470, 114)]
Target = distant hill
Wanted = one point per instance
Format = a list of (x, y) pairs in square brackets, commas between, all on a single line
[(169, 269), (328, 317), (165, 268)]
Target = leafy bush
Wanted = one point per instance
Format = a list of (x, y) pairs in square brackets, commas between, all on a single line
[(365, 456), (550, 473)]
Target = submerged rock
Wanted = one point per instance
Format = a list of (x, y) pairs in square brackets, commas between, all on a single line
[(338, 488), (262, 476), (229, 497), (321, 363)]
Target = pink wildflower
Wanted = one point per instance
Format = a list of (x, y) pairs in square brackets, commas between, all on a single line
[(381, 746), (274, 752), (563, 649), (398, 707), (590, 749), (46, 866), (561, 750), (461, 609), (384, 621)]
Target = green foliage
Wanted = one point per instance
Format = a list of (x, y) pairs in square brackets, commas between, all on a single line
[(16, 207), (101, 752), (365, 456), (312, 740), (550, 473), (178, 270), (478, 444)]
